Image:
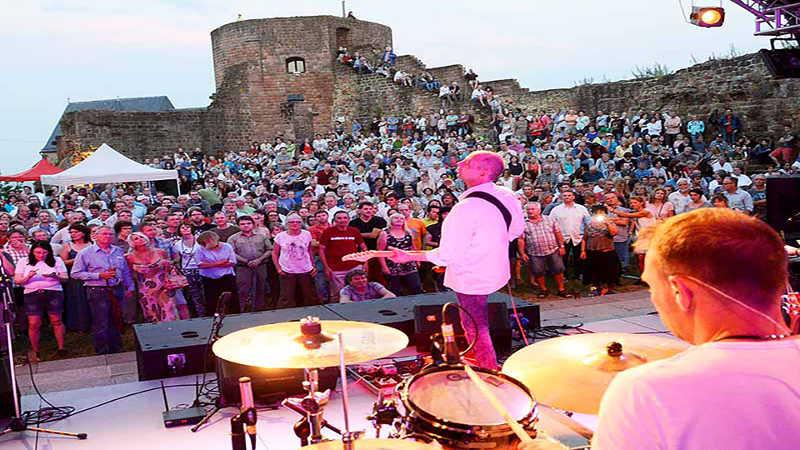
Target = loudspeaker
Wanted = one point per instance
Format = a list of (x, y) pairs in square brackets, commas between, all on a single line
[(783, 205), (428, 320), (782, 63), (269, 385)]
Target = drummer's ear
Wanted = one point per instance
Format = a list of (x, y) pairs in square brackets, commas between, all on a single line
[(681, 292)]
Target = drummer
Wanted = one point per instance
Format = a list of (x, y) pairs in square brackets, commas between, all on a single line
[(474, 245), (716, 277)]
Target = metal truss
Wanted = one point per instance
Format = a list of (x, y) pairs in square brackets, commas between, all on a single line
[(774, 17)]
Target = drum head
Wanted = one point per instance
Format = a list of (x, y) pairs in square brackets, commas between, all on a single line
[(450, 395)]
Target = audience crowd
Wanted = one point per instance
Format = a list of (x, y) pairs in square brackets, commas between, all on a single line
[(271, 223)]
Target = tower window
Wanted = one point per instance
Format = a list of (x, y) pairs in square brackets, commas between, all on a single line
[(295, 65)]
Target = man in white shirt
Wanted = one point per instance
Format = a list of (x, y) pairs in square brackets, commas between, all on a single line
[(571, 218), (680, 198), (474, 245), (723, 296)]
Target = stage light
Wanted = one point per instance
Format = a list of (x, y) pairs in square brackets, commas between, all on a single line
[(707, 17)]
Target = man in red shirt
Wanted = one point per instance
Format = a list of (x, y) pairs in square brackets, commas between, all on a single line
[(339, 240), (324, 176)]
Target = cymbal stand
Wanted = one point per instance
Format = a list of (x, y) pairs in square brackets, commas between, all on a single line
[(312, 405), (348, 437)]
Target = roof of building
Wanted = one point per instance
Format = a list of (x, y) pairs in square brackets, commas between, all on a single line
[(137, 104)]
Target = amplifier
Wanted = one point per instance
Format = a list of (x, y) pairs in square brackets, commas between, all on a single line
[(400, 312), (428, 321)]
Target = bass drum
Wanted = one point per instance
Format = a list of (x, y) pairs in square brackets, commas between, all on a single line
[(443, 404)]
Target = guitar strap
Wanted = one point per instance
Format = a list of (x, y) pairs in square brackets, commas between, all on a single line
[(497, 203)]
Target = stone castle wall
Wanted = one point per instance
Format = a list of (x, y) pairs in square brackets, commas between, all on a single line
[(252, 89)]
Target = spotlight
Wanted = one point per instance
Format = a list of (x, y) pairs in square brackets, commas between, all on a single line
[(707, 17)]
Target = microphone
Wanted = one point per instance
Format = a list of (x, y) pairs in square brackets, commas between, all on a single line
[(248, 409), (451, 352)]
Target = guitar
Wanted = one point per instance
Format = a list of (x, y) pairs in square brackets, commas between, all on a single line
[(369, 254)]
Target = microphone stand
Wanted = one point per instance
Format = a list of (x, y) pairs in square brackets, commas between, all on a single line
[(16, 424), (216, 326)]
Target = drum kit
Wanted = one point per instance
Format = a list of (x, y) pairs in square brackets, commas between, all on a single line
[(446, 405)]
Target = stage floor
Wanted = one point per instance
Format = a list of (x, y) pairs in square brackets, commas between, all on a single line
[(135, 422)]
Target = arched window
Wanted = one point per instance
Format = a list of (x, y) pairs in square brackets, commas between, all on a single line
[(295, 65)]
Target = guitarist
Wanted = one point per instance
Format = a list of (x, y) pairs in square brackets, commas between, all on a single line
[(474, 245), (107, 278)]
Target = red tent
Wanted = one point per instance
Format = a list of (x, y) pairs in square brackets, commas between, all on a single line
[(43, 167)]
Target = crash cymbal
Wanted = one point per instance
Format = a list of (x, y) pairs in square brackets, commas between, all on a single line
[(282, 345), (374, 444), (572, 372)]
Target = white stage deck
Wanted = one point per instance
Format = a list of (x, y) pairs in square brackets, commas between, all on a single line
[(135, 422)]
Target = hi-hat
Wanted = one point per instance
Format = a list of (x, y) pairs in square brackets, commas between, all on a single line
[(374, 444), (572, 372), (282, 345)]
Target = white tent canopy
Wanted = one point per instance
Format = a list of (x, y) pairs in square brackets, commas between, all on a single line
[(106, 165)]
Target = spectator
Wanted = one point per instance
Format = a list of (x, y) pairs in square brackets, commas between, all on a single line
[(730, 125), (223, 229), (598, 250), (737, 199), (293, 258), (76, 307), (252, 252), (150, 267), (571, 219), (542, 248), (785, 151), (184, 254), (107, 279), (358, 289), (336, 242), (215, 261), (403, 277), (41, 275)]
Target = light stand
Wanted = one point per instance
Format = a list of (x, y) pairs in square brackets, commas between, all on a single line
[(17, 424)]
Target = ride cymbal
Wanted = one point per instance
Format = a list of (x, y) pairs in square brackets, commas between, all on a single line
[(572, 372)]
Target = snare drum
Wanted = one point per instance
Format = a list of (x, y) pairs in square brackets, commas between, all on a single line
[(444, 404)]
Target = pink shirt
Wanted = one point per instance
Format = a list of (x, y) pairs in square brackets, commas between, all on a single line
[(39, 281)]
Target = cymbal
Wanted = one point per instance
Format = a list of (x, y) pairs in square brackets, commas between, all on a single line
[(375, 444), (281, 345), (572, 372)]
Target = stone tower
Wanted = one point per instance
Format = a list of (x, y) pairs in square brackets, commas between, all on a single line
[(277, 76)]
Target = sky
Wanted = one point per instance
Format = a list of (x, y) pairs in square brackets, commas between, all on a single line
[(80, 50)]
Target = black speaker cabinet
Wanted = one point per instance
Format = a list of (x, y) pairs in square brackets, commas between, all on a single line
[(783, 205), (428, 320)]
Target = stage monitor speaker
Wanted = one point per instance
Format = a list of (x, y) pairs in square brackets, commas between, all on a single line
[(783, 62), (269, 385), (428, 320), (783, 206)]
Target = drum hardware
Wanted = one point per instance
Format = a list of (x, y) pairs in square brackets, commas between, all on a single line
[(384, 412), (313, 404), (319, 344)]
